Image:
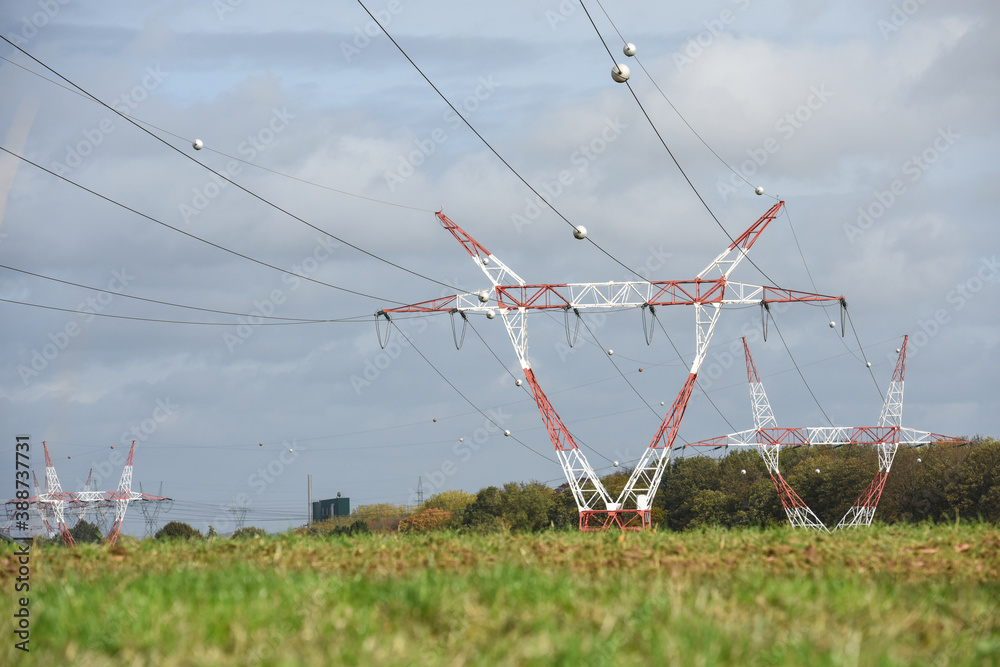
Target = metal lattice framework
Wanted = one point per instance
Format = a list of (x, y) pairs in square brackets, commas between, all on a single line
[(56, 503), (151, 511), (512, 298), (886, 437)]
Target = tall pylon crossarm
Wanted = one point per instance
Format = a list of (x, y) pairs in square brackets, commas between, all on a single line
[(122, 496), (55, 496), (706, 318), (892, 408), (51, 478), (44, 511), (763, 418), (516, 323), (495, 270), (729, 258), (891, 420)]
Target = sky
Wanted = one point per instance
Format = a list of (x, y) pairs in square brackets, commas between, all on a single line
[(874, 121)]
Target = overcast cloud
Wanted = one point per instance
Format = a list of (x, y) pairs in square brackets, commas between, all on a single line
[(874, 121)]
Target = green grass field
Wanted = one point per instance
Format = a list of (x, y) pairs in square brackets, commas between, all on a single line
[(881, 596)]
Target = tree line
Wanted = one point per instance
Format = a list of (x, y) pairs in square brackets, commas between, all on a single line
[(931, 483), (944, 482)]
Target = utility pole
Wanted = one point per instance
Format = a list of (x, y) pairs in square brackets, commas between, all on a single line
[(309, 513)]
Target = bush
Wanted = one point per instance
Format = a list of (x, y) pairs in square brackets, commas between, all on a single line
[(359, 527), (85, 532), (177, 530), (248, 532), (452, 501), (516, 507), (428, 520)]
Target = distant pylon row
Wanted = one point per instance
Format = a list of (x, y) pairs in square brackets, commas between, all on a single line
[(768, 438), (54, 504)]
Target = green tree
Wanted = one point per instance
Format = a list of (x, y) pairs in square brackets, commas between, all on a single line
[(85, 532), (974, 490), (680, 486), (177, 530), (248, 532), (485, 513), (451, 501)]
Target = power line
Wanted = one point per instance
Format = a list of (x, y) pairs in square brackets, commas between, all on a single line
[(667, 100), (231, 157), (189, 234), (799, 371), (466, 398), (165, 303), (225, 177), (670, 152), (164, 321), (490, 146)]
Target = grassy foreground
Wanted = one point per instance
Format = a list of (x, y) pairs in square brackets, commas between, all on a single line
[(881, 596)]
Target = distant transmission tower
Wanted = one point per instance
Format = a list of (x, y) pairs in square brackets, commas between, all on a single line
[(239, 513), (151, 512), (420, 491)]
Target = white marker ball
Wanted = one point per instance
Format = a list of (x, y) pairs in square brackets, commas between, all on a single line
[(833, 325), (289, 449), (615, 464), (461, 439), (759, 189), (661, 402), (743, 471), (629, 49), (490, 314), (580, 232), (869, 364), (817, 471), (919, 460), (198, 144), (517, 383), (506, 433), (484, 296), (486, 261), (620, 73), (898, 350), (610, 352)]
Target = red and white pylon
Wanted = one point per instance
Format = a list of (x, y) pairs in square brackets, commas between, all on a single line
[(768, 438), (55, 501), (512, 298)]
